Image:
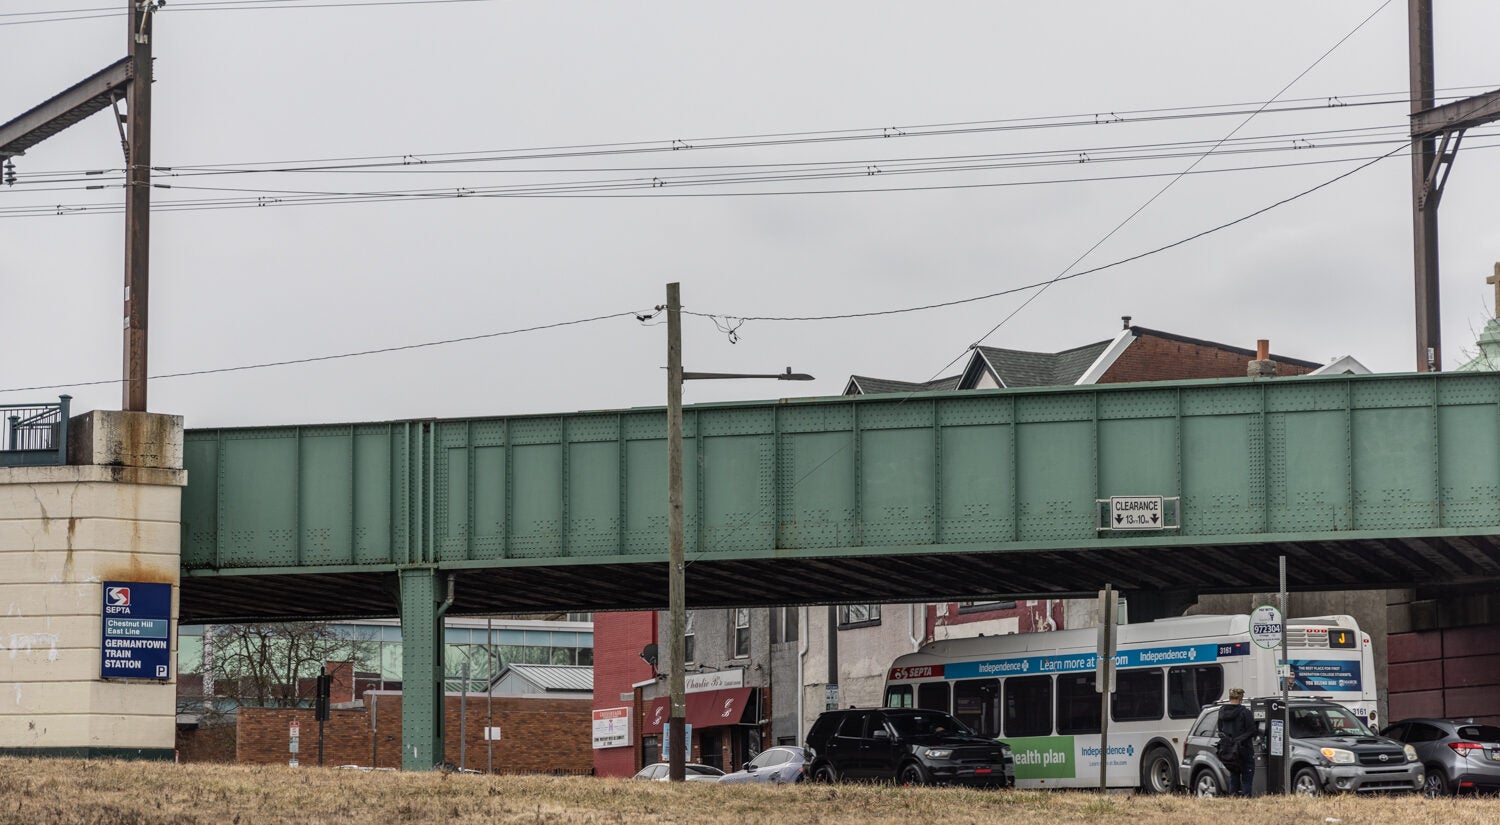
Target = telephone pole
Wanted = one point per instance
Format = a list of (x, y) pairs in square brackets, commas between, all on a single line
[(138, 207), (1436, 132)]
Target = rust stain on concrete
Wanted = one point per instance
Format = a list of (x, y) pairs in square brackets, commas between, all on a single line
[(136, 570)]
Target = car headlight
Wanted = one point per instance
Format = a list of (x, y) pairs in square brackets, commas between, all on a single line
[(939, 753), (1338, 756), (1411, 753)]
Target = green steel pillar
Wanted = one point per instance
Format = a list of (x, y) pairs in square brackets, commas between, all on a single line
[(422, 607)]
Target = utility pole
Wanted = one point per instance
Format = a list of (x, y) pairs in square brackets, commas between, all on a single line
[(1436, 132), (676, 554), (137, 207), (128, 78)]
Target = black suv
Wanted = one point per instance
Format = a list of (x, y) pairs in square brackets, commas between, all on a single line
[(1332, 751), (906, 745)]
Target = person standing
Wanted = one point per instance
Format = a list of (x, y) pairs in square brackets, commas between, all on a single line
[(1236, 730)]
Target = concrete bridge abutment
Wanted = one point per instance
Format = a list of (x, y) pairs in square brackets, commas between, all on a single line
[(112, 514)]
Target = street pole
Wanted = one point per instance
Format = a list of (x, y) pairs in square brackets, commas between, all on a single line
[(463, 720), (1286, 689), (1104, 680), (676, 556)]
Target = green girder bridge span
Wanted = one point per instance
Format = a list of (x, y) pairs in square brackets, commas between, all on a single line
[(1361, 481)]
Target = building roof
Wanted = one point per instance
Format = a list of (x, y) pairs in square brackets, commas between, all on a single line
[(552, 678), (864, 385), (1019, 368)]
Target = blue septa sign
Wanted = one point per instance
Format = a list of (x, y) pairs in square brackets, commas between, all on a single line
[(137, 623)]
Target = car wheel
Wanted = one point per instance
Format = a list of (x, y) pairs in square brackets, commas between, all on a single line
[(1207, 784), (1306, 783), (1158, 772), (911, 774), (1437, 783), (826, 774)]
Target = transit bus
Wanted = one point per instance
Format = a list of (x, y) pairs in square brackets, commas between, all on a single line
[(1036, 690)]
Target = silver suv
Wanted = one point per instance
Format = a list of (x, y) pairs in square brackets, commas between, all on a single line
[(1332, 752), (1460, 756)]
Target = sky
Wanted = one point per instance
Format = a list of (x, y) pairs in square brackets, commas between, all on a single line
[(922, 153)]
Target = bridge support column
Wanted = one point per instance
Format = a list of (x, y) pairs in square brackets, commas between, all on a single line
[(111, 514), (1150, 605), (422, 696)]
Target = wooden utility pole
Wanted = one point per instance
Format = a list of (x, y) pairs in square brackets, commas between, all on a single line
[(676, 552), (137, 207)]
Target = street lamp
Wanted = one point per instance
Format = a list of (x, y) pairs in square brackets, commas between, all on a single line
[(676, 555)]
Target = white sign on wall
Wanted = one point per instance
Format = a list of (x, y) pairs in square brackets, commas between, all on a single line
[(700, 682), (1136, 513), (611, 727)]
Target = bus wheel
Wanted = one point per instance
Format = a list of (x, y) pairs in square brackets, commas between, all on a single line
[(1207, 784), (1158, 771)]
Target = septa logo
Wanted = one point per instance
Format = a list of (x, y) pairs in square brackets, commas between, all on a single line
[(118, 596)]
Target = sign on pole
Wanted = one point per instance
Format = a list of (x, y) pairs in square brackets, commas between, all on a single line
[(137, 622), (1265, 626), (1104, 673)]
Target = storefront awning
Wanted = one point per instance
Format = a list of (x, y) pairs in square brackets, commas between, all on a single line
[(705, 709)]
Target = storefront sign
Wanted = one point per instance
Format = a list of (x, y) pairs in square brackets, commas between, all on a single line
[(699, 682), (611, 727)]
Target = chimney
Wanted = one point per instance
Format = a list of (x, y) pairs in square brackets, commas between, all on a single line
[(1126, 318), (1262, 366)]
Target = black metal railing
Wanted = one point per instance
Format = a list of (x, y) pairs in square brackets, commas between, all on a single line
[(34, 435)]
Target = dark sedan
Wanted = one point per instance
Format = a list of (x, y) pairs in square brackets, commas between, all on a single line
[(774, 766), (1461, 757)]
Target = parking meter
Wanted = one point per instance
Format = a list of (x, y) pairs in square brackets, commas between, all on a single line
[(1271, 745)]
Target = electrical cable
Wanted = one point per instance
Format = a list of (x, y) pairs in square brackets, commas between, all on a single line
[(342, 355)]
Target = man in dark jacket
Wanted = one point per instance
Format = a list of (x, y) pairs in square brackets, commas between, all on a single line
[(1236, 730)]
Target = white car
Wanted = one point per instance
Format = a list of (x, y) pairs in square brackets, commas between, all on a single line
[(693, 772)]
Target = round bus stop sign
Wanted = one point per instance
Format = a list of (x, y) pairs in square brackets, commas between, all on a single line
[(1265, 626)]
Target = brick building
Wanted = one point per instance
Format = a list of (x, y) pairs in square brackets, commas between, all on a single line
[(538, 734)]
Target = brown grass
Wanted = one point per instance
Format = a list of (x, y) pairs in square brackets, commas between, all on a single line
[(71, 792)]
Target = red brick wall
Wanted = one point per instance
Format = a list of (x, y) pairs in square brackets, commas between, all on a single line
[(1150, 358), (538, 735), (214, 744), (1445, 673), (618, 639)]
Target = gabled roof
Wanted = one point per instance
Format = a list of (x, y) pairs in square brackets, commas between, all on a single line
[(865, 385), (551, 678), (1019, 368)]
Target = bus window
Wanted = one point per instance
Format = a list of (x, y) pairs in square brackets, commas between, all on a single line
[(933, 696), (1077, 704), (898, 696), (1028, 706), (976, 703), (1190, 687), (1138, 695)]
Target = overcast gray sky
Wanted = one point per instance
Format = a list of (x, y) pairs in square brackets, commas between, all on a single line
[(1326, 275)]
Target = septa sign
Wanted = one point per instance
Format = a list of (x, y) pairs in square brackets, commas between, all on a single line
[(137, 622), (899, 674)]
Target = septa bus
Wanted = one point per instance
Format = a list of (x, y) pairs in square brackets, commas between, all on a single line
[(1036, 690)]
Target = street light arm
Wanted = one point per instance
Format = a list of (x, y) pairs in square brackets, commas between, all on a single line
[(786, 376)]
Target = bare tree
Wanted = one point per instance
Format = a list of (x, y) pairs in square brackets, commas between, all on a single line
[(275, 664)]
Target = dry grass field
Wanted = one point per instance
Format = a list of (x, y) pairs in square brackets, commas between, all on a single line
[(67, 792)]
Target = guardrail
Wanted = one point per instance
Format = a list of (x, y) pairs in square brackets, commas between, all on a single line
[(34, 435)]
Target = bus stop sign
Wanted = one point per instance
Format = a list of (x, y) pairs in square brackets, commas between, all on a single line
[(1265, 626)]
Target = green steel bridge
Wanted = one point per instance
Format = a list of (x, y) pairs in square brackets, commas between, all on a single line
[(1361, 481)]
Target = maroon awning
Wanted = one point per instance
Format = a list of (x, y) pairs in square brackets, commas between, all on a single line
[(705, 709)]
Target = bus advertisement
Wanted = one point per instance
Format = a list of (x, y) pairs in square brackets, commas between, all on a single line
[(1036, 690)]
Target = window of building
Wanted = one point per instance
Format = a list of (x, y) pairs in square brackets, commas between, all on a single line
[(741, 632), (1028, 706), (981, 607), (858, 615), (1139, 695), (783, 624), (687, 639), (1077, 704), (1190, 687)]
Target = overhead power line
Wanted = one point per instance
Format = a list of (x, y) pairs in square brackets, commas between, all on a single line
[(338, 356)]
